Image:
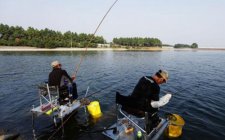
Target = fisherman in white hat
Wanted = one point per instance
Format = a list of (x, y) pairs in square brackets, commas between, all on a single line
[(59, 77)]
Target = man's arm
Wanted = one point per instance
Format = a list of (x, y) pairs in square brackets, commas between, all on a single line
[(162, 101), (66, 75)]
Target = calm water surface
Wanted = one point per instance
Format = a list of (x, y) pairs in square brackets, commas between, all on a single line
[(196, 77)]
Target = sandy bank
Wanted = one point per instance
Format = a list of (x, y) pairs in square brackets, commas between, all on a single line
[(7, 48), (13, 48), (24, 48)]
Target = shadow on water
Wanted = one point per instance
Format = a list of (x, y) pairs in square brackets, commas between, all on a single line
[(78, 126)]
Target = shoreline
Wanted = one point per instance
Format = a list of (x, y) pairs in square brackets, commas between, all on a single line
[(27, 49)]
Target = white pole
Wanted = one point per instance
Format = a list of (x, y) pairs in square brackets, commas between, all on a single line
[(71, 40)]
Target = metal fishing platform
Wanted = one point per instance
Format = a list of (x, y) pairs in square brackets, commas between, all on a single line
[(48, 96), (128, 126), (50, 106)]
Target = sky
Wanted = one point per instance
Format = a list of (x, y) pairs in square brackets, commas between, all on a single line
[(171, 21)]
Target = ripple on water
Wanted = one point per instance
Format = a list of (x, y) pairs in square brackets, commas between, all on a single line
[(196, 79)]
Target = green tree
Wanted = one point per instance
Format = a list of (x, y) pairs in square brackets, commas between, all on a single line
[(11, 36), (137, 41), (194, 45)]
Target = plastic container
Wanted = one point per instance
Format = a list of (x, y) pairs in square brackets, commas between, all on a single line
[(94, 109), (175, 126), (139, 135), (51, 110)]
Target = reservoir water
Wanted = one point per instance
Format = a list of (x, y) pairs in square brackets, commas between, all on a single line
[(197, 79)]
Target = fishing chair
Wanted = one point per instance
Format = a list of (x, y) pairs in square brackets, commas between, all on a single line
[(55, 92), (130, 123), (49, 93), (48, 97), (128, 109)]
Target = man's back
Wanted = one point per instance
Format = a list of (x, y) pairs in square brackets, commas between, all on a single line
[(56, 75), (146, 88), (145, 91)]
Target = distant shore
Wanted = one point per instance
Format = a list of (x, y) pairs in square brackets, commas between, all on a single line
[(25, 48)]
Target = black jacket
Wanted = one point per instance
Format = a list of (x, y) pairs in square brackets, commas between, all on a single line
[(56, 77), (146, 88), (145, 91)]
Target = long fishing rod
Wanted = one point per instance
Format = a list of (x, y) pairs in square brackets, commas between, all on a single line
[(86, 96), (177, 91), (81, 59), (99, 131), (171, 115)]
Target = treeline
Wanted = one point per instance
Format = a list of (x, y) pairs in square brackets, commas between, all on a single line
[(46, 38), (17, 36), (138, 42), (194, 45)]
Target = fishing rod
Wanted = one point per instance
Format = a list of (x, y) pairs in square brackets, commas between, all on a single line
[(86, 96), (171, 116), (177, 91), (100, 130), (92, 37)]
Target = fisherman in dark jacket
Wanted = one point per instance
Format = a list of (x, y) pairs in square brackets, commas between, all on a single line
[(145, 97), (60, 78), (147, 91)]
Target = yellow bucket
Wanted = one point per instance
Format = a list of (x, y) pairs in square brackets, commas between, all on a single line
[(51, 111), (175, 126), (94, 109)]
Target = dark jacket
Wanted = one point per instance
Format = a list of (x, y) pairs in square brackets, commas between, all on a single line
[(145, 91), (57, 77), (146, 88)]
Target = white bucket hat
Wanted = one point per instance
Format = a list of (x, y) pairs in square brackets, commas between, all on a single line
[(55, 63), (164, 74)]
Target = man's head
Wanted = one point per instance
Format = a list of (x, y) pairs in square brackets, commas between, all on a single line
[(55, 64), (161, 76)]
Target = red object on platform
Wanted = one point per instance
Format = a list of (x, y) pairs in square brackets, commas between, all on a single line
[(45, 107)]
